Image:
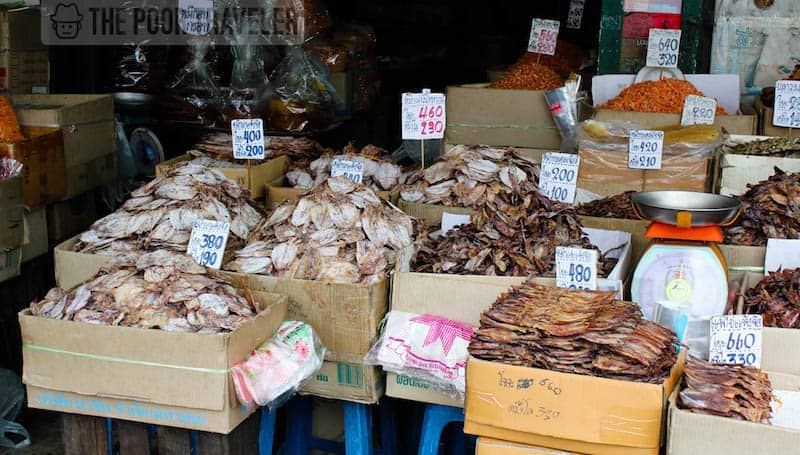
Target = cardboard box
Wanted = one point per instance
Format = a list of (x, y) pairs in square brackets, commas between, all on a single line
[(578, 413), (12, 226), (88, 176), (767, 128), (134, 376), (345, 381), (430, 213), (21, 30), (744, 258), (733, 124), (691, 433), (71, 217), (255, 179), (25, 72), (477, 114), (736, 171), (10, 262), (636, 228), (36, 227), (488, 446), (43, 174)]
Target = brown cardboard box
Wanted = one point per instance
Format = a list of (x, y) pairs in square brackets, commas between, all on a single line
[(566, 411), (133, 376), (767, 128), (691, 433), (737, 171), (71, 217), (21, 30), (744, 258), (87, 176), (255, 179), (25, 72), (487, 446), (12, 226), (477, 114), (10, 262), (74, 268), (43, 174), (347, 382), (430, 213), (733, 124), (36, 224)]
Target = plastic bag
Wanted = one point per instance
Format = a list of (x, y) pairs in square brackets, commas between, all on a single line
[(276, 369), (335, 57), (686, 163), (303, 99), (195, 97), (12, 397), (248, 94), (316, 16), (426, 347), (138, 68), (563, 104)]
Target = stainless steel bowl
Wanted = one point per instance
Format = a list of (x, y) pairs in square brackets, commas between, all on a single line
[(705, 209)]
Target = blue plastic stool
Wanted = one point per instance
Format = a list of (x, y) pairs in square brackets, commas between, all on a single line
[(433, 424)]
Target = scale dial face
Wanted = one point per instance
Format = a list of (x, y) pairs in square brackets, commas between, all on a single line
[(680, 276)]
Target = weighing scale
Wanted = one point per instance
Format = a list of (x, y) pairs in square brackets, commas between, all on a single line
[(681, 280)]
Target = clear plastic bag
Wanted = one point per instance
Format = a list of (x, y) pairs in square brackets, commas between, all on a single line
[(426, 347), (274, 371), (302, 100), (12, 397), (248, 93), (194, 96)]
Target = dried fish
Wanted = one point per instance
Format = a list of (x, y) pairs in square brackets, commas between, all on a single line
[(220, 146), (339, 232), (514, 232), (582, 332), (462, 176), (777, 298), (162, 213), (380, 172), (778, 146), (771, 209), (160, 290), (618, 206)]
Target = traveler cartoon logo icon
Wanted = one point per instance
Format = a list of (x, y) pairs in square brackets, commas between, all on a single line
[(66, 21)]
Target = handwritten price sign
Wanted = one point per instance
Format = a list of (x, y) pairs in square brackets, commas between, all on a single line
[(248, 139), (663, 47), (576, 268), (575, 15), (645, 148), (196, 17), (787, 104), (698, 110), (559, 176), (207, 244), (423, 115), (736, 339), (544, 36), (350, 170)]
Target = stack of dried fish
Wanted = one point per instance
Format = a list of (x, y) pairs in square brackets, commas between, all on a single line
[(162, 213), (778, 146), (618, 206), (339, 232), (777, 298), (514, 233), (221, 146), (464, 175), (158, 290), (736, 391), (771, 211), (583, 332), (380, 172)]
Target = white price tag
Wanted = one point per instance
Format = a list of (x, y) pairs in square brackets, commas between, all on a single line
[(423, 115), (787, 104), (196, 17), (663, 47), (575, 16), (559, 176), (451, 220), (698, 110), (350, 170), (207, 244), (645, 148), (736, 339), (248, 139), (576, 268), (544, 36)]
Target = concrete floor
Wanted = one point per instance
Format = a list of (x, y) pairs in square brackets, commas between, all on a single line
[(45, 430)]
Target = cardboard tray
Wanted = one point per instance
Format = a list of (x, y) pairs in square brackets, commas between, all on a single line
[(736, 171), (152, 369)]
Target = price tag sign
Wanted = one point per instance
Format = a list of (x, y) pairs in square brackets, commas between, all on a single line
[(736, 339), (423, 115), (196, 17), (787, 104), (351, 170), (575, 15), (576, 268), (559, 176), (662, 48), (451, 220), (248, 139), (544, 36), (645, 148), (698, 110), (207, 244)]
